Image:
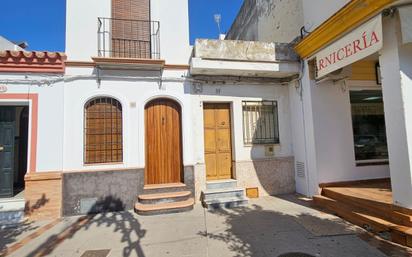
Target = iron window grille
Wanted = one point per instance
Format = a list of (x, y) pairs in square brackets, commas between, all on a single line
[(260, 122), (123, 38), (103, 131)]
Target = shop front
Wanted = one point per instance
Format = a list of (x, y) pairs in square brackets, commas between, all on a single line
[(359, 86)]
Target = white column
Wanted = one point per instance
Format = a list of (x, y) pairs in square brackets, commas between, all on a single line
[(304, 135), (396, 68)]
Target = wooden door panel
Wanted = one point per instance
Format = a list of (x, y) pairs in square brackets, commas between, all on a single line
[(224, 164), (222, 116), (217, 141), (7, 134), (163, 142), (209, 116), (210, 143), (210, 159), (223, 140)]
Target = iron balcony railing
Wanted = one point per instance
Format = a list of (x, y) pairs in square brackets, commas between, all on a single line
[(121, 38)]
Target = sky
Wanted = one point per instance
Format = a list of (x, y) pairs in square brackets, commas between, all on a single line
[(41, 23)]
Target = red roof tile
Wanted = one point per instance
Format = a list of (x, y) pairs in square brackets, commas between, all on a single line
[(35, 61)]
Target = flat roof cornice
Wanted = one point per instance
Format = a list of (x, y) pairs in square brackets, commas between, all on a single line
[(350, 16)]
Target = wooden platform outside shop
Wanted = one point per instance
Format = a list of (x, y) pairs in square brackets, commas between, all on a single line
[(368, 204)]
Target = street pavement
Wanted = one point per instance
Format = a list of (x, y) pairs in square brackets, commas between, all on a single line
[(268, 226)]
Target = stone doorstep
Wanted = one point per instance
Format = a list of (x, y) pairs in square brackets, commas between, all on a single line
[(220, 184), (226, 203), (160, 208), (163, 186), (159, 196), (223, 190), (211, 194), (168, 197), (7, 205)]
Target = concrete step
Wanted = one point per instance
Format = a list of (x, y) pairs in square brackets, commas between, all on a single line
[(164, 188), (163, 208), (11, 211), (164, 197), (216, 194), (11, 218), (230, 202), (221, 184)]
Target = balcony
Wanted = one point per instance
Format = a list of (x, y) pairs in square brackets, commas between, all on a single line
[(131, 39)]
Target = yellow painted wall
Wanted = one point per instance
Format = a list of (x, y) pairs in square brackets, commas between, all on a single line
[(364, 70)]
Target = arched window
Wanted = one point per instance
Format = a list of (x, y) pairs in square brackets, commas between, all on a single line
[(103, 131)]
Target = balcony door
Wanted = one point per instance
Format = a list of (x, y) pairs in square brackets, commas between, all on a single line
[(131, 29)]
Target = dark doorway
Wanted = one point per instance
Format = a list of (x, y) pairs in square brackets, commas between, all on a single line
[(22, 141), (14, 124)]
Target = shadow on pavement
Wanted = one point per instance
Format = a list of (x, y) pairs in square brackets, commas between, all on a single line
[(123, 222), (255, 231), (10, 235)]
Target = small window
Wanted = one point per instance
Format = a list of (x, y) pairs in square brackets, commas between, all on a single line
[(103, 131), (260, 122)]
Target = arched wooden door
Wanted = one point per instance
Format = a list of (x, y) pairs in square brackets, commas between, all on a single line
[(163, 142)]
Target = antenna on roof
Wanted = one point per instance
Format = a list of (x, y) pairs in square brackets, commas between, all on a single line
[(218, 19)]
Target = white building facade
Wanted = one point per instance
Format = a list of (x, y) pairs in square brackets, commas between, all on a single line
[(125, 116), (136, 110)]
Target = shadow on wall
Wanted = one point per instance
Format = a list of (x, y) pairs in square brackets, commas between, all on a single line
[(29, 208), (123, 222)]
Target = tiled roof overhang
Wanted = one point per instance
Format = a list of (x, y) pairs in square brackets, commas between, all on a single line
[(33, 62)]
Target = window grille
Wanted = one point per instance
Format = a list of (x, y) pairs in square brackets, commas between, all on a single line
[(260, 122), (103, 132)]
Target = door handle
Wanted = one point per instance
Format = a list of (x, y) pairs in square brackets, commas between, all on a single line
[(1, 148)]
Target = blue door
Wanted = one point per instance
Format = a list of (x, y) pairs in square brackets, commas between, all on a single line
[(7, 134)]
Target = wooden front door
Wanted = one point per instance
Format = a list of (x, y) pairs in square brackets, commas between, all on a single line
[(218, 142), (163, 142), (7, 134)]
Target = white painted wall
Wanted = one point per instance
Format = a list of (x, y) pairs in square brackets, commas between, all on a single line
[(323, 134), (304, 146), (129, 92), (174, 29), (82, 26), (315, 12), (298, 134), (78, 92), (334, 136), (235, 94), (396, 63), (50, 119), (279, 21)]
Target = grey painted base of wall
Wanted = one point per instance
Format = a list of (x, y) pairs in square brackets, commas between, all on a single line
[(105, 191), (99, 191)]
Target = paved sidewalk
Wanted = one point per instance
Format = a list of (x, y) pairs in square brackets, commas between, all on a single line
[(269, 226)]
